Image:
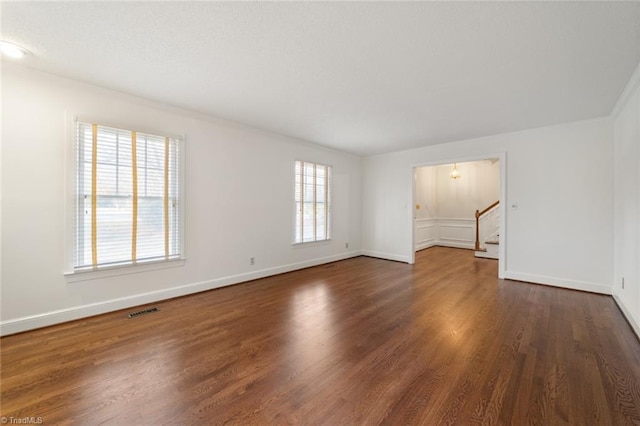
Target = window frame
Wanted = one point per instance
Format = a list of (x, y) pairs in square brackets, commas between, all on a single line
[(328, 201), (71, 205)]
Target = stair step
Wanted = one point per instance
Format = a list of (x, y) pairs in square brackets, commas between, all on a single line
[(491, 253)]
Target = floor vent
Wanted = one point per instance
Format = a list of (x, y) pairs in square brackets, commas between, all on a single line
[(143, 312)]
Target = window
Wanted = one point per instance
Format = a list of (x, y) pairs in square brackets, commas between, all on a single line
[(312, 191), (127, 198)]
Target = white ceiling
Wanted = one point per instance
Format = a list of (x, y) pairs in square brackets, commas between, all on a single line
[(364, 77)]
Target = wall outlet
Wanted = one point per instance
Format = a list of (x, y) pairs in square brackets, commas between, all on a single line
[(346, 245), (623, 283), (252, 261)]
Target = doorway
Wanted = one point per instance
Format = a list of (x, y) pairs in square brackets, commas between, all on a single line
[(447, 195)]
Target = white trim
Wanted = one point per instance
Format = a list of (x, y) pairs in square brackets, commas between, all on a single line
[(444, 225), (425, 219), (425, 244), (113, 271), (411, 212), (426, 223), (559, 282), (438, 239), (502, 248), (455, 244), (634, 325), (182, 193), (386, 256), (312, 243), (483, 254), (69, 190), (31, 322), (629, 88), (122, 122), (458, 240)]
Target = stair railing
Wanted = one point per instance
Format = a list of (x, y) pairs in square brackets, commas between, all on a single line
[(478, 215)]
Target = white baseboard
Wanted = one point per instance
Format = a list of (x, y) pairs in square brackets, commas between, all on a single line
[(425, 245), (386, 256), (485, 255), (19, 325), (453, 244), (559, 282), (634, 325)]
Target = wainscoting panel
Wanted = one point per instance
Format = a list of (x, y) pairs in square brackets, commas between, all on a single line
[(426, 233), (458, 233)]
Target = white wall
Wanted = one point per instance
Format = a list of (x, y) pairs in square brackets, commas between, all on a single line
[(425, 214), (560, 178), (478, 188), (627, 201), (425, 193), (239, 195)]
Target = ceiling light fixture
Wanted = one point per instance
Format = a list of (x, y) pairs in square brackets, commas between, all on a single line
[(13, 50), (455, 174)]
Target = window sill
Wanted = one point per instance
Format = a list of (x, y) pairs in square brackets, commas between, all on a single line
[(312, 243), (112, 271)]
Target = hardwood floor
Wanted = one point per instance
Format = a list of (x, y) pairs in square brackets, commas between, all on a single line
[(362, 341)]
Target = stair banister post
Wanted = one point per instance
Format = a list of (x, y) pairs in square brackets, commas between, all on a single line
[(477, 230)]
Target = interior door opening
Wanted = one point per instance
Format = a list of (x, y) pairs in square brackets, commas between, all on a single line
[(460, 204)]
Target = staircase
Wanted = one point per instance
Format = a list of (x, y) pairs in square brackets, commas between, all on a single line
[(488, 232)]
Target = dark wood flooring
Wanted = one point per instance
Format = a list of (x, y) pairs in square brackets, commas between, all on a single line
[(362, 341)]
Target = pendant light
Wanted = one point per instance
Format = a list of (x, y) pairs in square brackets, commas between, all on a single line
[(455, 174)]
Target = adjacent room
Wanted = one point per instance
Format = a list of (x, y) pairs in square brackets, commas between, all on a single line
[(320, 212), (453, 201)]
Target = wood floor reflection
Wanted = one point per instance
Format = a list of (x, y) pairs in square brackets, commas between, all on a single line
[(361, 341)]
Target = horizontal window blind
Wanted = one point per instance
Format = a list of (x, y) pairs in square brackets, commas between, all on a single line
[(128, 200), (312, 198)]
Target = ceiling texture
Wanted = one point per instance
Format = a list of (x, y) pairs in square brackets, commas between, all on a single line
[(362, 77)]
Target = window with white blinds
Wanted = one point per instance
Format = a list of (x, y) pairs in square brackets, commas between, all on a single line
[(128, 197), (312, 197)]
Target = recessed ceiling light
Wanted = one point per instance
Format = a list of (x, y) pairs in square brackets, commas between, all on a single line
[(13, 50)]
